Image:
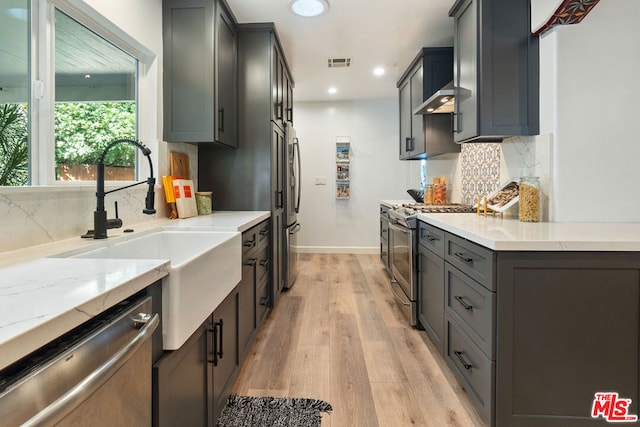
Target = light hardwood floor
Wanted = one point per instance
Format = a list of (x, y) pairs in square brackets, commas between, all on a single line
[(339, 336)]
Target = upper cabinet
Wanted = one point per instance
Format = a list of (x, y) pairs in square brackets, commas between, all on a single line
[(496, 70), (200, 63), (282, 85), (428, 135)]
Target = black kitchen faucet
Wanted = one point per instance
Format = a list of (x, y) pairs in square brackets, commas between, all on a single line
[(100, 222)]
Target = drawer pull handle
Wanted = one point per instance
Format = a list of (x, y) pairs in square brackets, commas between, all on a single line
[(264, 232), (463, 257), (430, 237), (461, 359), (263, 301), (251, 262), (464, 304), (250, 243)]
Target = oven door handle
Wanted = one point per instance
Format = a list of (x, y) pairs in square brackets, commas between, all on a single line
[(73, 398), (406, 303), (396, 226)]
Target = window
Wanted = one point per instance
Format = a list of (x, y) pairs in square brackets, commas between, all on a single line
[(14, 93), (95, 103), (84, 73)]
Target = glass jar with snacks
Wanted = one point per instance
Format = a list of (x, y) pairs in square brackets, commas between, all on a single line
[(428, 194), (529, 199), (439, 191)]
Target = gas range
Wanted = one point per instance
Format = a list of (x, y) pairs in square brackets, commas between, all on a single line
[(405, 214)]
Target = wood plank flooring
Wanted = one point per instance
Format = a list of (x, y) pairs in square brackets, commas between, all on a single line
[(339, 336)]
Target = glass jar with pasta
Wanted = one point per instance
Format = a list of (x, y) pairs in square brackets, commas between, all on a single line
[(529, 199)]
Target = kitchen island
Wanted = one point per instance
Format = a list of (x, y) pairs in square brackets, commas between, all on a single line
[(534, 318)]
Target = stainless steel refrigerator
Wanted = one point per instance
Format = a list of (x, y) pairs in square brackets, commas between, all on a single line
[(292, 205)]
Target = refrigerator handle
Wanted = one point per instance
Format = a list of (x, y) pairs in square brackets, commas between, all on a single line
[(296, 147)]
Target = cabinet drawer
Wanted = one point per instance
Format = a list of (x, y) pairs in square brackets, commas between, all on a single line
[(263, 234), (472, 305), (472, 259), (431, 238), (474, 370), (262, 300)]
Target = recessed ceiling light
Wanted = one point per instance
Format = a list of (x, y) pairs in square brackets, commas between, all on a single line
[(378, 71), (308, 8), (332, 90)]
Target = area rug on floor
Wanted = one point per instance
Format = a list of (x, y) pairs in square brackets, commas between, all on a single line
[(246, 411)]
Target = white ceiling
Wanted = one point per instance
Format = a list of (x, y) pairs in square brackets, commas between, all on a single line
[(370, 32)]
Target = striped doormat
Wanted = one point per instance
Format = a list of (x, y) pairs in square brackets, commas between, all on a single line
[(247, 411)]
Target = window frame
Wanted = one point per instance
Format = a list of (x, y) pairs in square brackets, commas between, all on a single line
[(42, 85)]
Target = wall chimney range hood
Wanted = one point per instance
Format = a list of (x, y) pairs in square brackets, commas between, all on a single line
[(440, 102)]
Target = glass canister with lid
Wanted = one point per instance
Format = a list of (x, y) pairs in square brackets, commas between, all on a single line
[(529, 199)]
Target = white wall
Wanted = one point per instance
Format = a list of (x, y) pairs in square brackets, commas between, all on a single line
[(351, 225), (597, 110)]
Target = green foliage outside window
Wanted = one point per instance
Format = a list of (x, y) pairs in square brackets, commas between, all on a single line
[(83, 130), (14, 145)]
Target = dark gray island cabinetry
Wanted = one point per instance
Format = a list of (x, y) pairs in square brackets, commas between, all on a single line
[(192, 383), (532, 336)]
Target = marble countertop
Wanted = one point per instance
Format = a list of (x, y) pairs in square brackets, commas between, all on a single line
[(42, 298), (509, 234)]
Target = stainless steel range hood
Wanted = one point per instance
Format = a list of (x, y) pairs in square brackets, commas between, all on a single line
[(442, 101)]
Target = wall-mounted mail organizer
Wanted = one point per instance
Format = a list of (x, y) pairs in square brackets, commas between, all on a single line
[(343, 167)]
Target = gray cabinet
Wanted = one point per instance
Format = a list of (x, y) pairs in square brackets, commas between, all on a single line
[(252, 304), (200, 57), (568, 328), (428, 135), (496, 70), (191, 384), (251, 177), (431, 282), (532, 336)]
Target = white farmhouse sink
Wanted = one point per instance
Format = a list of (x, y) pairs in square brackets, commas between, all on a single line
[(205, 267)]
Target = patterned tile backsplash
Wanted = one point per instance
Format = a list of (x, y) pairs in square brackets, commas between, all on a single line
[(480, 167)]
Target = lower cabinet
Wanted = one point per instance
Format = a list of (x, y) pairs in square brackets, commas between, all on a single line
[(191, 384), (533, 336)]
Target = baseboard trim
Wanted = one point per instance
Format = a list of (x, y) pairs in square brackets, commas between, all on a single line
[(338, 250)]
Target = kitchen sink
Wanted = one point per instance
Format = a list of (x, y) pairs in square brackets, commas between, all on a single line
[(205, 267)]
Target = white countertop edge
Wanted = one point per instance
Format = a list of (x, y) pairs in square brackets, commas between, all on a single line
[(509, 234), (218, 221), (57, 324)]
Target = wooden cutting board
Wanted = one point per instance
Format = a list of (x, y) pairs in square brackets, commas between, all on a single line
[(179, 165)]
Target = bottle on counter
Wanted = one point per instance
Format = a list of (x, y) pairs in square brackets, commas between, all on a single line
[(529, 199), (440, 190), (428, 194)]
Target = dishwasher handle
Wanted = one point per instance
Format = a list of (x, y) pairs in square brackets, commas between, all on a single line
[(73, 398)]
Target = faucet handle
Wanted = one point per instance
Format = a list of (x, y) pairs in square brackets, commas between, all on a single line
[(114, 222)]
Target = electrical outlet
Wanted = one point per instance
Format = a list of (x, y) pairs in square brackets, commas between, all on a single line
[(321, 180)]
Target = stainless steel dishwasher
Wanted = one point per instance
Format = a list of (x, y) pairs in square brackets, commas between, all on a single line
[(97, 375)]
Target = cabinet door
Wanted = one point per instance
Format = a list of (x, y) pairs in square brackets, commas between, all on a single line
[(246, 308), (226, 87), (278, 88), (405, 119), (431, 296), (567, 328), (465, 72), (225, 351), (289, 110), (182, 384), (417, 121), (188, 70)]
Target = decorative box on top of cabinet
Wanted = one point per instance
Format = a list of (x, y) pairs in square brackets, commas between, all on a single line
[(425, 135), (496, 70), (200, 69)]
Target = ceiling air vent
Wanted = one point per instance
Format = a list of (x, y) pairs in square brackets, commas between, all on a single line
[(339, 62)]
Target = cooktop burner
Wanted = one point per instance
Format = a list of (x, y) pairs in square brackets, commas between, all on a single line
[(414, 208)]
